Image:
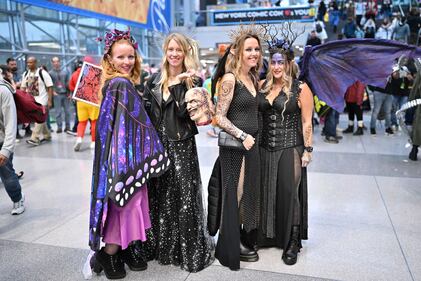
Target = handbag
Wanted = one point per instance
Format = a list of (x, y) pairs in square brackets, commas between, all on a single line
[(228, 141)]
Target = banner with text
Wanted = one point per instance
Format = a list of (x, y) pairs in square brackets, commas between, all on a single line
[(231, 17)]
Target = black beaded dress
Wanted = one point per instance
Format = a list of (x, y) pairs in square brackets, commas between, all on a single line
[(243, 113), (178, 235), (283, 180)]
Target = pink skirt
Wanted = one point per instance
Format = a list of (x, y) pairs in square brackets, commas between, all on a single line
[(129, 223)]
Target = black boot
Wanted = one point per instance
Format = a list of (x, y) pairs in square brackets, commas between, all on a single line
[(413, 155), (290, 254), (112, 265), (247, 254), (359, 131), (348, 130), (133, 258)]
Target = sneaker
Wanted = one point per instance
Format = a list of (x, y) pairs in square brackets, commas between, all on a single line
[(78, 144), (372, 131), (331, 139), (44, 140), (33, 142), (70, 132), (389, 131), (59, 131), (18, 207), (359, 131)]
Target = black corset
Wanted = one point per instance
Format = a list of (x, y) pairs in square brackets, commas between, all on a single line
[(281, 125)]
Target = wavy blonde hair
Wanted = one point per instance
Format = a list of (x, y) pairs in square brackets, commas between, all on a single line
[(109, 72), (235, 57), (191, 58), (290, 72)]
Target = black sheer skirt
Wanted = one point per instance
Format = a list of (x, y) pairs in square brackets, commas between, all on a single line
[(284, 197), (240, 205)]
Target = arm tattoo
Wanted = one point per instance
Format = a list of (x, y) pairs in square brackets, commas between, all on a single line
[(308, 135), (225, 95)]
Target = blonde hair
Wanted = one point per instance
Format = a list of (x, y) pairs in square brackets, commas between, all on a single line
[(289, 73), (190, 61), (235, 57), (109, 72)]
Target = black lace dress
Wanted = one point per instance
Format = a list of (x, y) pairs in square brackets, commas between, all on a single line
[(243, 113), (178, 235), (283, 180)]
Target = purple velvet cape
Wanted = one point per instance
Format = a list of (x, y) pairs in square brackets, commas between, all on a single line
[(329, 69), (128, 152)]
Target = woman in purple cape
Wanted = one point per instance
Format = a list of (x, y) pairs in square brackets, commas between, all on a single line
[(127, 153)]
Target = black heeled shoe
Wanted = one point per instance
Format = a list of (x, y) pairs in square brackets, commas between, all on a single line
[(290, 255), (247, 254), (133, 258), (112, 265)]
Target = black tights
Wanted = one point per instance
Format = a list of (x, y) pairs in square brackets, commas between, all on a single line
[(354, 109)]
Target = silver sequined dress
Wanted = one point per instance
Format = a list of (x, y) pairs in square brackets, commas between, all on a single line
[(178, 235)]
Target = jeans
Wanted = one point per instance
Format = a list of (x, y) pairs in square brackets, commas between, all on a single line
[(398, 101), (62, 101), (385, 100), (10, 180), (331, 121)]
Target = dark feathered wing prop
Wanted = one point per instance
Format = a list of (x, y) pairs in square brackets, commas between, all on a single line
[(329, 69)]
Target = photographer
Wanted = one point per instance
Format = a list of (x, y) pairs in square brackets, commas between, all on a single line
[(399, 87)]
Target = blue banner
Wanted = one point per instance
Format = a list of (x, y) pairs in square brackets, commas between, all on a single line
[(150, 14), (262, 15)]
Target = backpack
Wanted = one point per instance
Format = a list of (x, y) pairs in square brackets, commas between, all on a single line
[(321, 108), (319, 28)]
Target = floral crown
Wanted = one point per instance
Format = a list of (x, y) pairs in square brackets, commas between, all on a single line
[(114, 35), (282, 44)]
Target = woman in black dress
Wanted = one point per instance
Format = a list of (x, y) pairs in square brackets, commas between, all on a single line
[(178, 235), (286, 109), (237, 115)]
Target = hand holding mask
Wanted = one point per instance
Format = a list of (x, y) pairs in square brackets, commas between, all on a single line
[(199, 106)]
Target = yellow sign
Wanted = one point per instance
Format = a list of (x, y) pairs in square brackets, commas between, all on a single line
[(133, 10)]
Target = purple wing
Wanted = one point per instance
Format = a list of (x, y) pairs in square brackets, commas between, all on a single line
[(329, 69)]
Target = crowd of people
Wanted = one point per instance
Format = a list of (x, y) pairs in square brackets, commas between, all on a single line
[(146, 196)]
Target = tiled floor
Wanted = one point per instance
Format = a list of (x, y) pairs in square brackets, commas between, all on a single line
[(364, 216)]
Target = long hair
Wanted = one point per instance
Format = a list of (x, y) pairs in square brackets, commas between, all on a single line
[(234, 59), (191, 58), (230, 62), (109, 72), (289, 73)]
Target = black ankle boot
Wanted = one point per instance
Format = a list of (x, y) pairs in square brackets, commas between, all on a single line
[(247, 254), (112, 265), (348, 130), (359, 131), (413, 155), (133, 258), (290, 254)]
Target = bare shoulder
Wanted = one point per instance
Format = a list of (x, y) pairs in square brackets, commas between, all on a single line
[(228, 77), (305, 90)]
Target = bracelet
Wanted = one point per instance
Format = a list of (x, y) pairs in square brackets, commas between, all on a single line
[(308, 149), (243, 136)]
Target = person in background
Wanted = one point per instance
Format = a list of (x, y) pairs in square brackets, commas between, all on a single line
[(38, 83), (8, 122), (354, 99), (61, 95), (84, 111)]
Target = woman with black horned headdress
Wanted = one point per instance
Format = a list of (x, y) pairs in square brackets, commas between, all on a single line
[(286, 109)]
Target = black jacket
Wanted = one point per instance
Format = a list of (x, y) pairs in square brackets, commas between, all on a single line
[(178, 124), (215, 199)]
